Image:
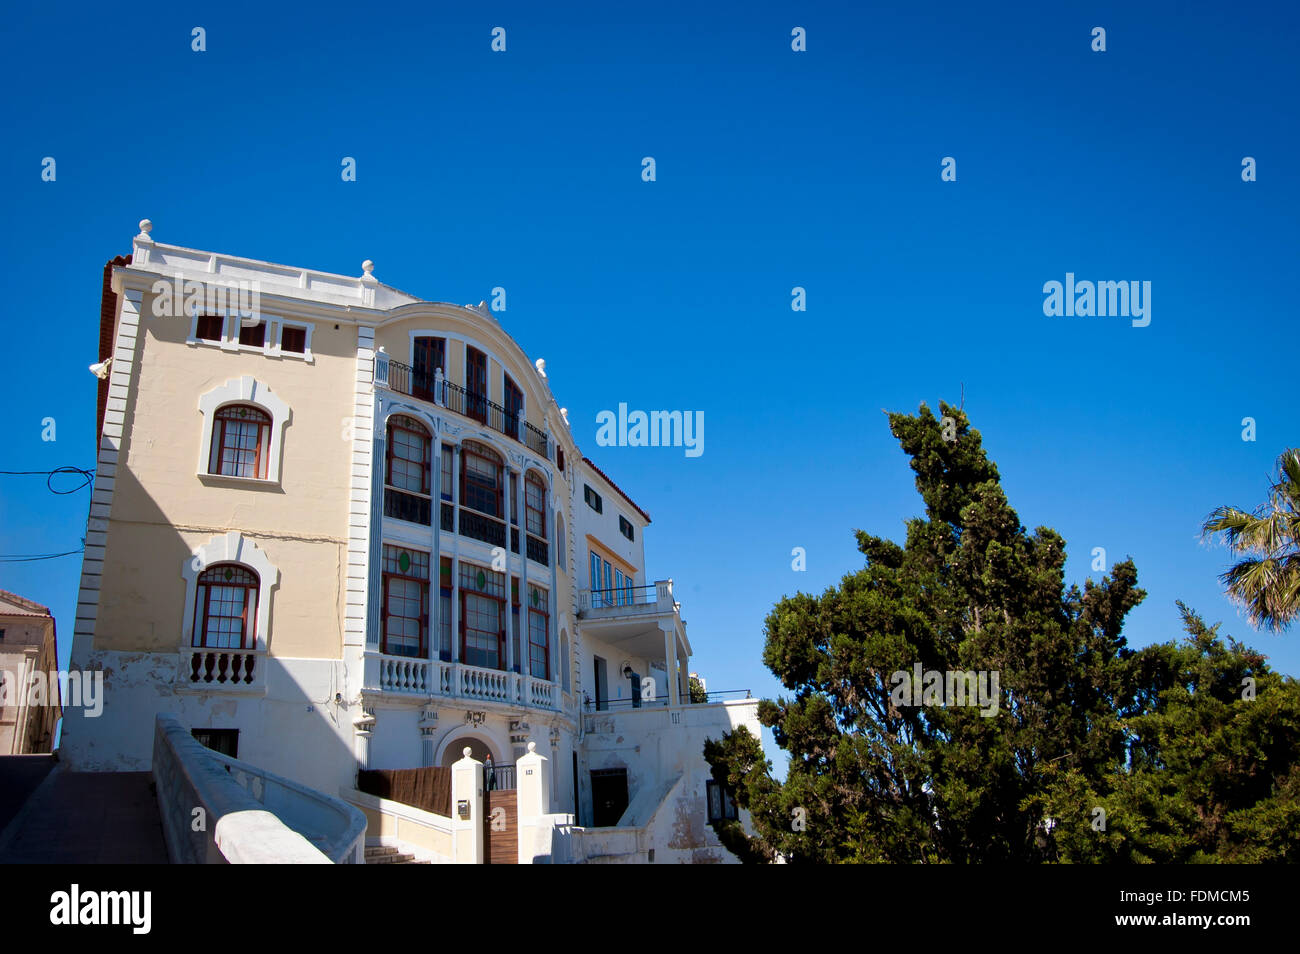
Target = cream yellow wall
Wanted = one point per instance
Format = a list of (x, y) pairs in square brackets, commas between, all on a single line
[(162, 510)]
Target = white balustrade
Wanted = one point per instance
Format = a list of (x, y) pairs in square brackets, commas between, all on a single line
[(541, 694), (488, 684), (402, 674), (423, 677), (203, 668)]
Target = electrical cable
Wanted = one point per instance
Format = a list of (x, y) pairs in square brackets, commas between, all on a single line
[(33, 557), (87, 477)]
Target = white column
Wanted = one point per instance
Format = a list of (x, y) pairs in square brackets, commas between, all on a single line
[(533, 781), (435, 555), (455, 613), (364, 726), (455, 561), (23, 691), (467, 810), (512, 513), (525, 667), (670, 661), (553, 635)]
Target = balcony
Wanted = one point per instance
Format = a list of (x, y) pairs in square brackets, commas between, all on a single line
[(626, 600), (436, 389), (403, 675), (207, 668), (642, 621)]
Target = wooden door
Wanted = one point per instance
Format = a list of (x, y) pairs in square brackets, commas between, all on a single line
[(501, 828)]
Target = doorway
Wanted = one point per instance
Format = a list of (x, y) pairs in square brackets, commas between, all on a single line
[(608, 796)]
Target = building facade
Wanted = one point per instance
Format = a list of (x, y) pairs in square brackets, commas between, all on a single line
[(29, 686), (354, 530)]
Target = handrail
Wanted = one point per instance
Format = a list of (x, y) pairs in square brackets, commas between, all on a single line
[(608, 705), (250, 815), (645, 595)]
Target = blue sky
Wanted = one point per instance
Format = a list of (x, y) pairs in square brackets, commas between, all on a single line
[(774, 169)]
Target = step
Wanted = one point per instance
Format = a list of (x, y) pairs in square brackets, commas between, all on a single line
[(391, 857)]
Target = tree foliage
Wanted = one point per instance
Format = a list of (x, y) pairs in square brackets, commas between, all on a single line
[(1266, 580), (1154, 738)]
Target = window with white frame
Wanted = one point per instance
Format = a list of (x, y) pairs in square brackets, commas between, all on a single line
[(228, 585), (241, 442), (225, 609), (243, 431), (276, 337)]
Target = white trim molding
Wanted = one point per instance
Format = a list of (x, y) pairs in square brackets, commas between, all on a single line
[(272, 345), (126, 345), (231, 547), (245, 390)]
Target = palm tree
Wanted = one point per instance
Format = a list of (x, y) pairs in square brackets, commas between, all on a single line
[(1267, 581)]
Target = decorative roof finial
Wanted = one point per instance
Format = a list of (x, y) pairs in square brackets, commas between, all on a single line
[(145, 228), (541, 366), (368, 267)]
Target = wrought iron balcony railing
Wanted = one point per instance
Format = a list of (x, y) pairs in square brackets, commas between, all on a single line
[(402, 505), (480, 527), (436, 389), (647, 595)]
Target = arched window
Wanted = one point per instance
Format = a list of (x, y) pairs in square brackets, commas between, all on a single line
[(482, 484), (241, 442), (535, 504), (408, 470), (225, 610)]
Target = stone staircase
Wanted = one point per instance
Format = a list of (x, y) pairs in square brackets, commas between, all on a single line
[(388, 855)]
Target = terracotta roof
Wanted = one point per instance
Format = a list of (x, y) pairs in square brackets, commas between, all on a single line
[(33, 608), (619, 490)]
